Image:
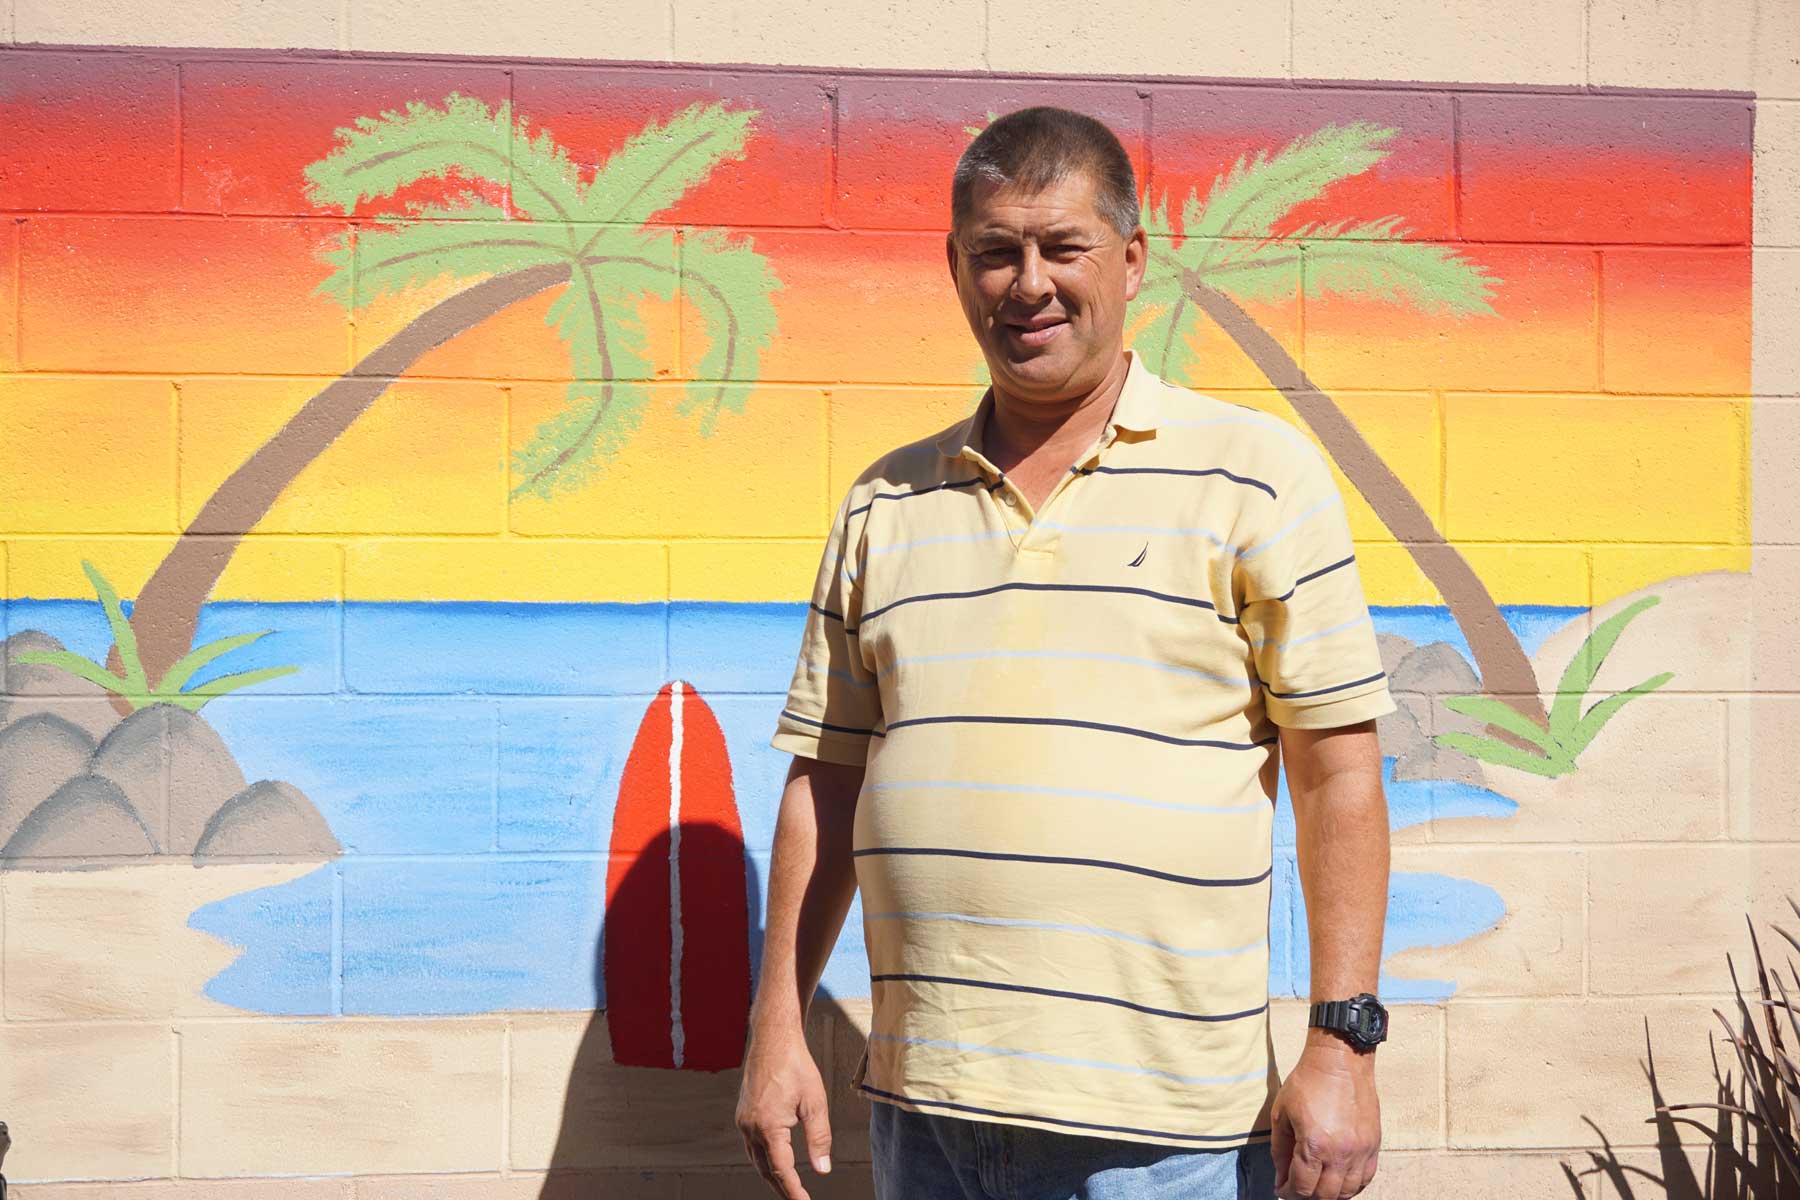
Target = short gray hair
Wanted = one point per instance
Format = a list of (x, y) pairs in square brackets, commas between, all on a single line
[(1037, 147)]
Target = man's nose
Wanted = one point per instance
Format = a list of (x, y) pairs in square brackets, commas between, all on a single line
[(1032, 283)]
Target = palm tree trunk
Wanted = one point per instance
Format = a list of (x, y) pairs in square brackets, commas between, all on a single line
[(1499, 659), (167, 610)]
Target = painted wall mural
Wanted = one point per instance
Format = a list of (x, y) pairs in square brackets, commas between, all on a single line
[(411, 475)]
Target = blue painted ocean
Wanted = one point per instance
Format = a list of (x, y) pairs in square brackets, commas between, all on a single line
[(468, 756)]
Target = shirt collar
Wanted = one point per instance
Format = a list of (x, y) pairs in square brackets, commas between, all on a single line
[(1137, 410)]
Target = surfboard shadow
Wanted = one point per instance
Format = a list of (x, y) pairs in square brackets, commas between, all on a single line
[(629, 1116)]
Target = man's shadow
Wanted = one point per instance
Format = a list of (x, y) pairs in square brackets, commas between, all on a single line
[(621, 1115)]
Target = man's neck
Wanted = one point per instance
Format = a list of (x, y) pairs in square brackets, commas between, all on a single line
[(1020, 430)]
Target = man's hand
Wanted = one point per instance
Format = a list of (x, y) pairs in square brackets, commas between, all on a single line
[(781, 1087), (1327, 1122)]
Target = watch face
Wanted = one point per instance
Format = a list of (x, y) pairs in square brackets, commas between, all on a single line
[(1368, 1020)]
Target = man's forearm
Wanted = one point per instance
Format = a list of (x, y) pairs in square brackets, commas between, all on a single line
[(1341, 842), (812, 879)]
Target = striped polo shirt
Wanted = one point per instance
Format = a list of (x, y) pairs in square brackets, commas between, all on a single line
[(1068, 723)]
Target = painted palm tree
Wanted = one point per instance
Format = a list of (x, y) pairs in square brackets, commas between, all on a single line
[(586, 236), (1227, 251)]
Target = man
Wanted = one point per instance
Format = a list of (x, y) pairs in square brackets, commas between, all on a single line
[(1052, 657)]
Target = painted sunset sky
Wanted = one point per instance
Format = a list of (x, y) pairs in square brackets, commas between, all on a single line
[(160, 319)]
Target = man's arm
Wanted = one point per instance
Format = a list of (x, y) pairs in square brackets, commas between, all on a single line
[(1327, 1118), (812, 879)]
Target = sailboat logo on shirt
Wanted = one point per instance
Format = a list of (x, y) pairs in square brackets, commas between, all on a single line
[(1139, 560)]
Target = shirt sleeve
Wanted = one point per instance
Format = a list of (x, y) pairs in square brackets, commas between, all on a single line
[(833, 705), (1301, 608)]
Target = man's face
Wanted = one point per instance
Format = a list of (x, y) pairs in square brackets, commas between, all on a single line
[(1044, 279)]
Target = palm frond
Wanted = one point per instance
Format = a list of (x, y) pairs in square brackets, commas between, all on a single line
[(1261, 188), (461, 142), (605, 399), (729, 284), (1368, 261), (412, 253), (546, 183), (1165, 340), (656, 165)]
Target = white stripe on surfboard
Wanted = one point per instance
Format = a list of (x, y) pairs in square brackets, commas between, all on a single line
[(677, 1035)]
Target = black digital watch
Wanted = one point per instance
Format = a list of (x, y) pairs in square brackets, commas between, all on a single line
[(1361, 1019)]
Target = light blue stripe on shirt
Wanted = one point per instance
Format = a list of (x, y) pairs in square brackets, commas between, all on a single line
[(1079, 655), (1064, 1060), (1060, 927), (1077, 793)]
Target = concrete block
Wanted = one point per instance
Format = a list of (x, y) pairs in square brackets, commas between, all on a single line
[(516, 342), (744, 572), (1626, 168), (1686, 44), (262, 568), (200, 1189), (1535, 950), (553, 1185), (1775, 618), (89, 131), (1775, 359), (368, 1097), (1765, 799), (898, 283), (899, 139), (9, 295), (864, 423), (238, 23), (379, 476), (115, 944), (534, 569), (1525, 1073), (847, 1181), (1778, 170), (1404, 1176), (1663, 918), (58, 436), (1554, 468), (782, 178), (1416, 39), (250, 129), (840, 1028), (1665, 751), (1540, 336), (1551, 574), (101, 298), (1774, 470), (101, 1100), (1777, 64), (615, 30), (1676, 322), (942, 35), (1409, 1068), (664, 483), (572, 1106), (1138, 37)]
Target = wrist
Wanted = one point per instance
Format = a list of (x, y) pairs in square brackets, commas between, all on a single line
[(1332, 1044)]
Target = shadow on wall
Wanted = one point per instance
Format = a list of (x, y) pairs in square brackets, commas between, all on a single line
[(654, 1081)]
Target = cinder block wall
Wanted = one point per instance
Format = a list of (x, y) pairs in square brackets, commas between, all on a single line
[(1630, 429)]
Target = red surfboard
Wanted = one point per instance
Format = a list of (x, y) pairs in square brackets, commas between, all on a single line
[(676, 947)]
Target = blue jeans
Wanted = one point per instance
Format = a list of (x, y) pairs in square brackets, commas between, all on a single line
[(934, 1156)]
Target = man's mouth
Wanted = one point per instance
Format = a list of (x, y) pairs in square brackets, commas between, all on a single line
[(1037, 332)]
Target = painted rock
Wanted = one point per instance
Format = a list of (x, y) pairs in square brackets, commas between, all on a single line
[(676, 952)]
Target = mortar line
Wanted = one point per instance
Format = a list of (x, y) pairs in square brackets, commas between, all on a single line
[(180, 102), (506, 1029), (337, 939), (175, 1102)]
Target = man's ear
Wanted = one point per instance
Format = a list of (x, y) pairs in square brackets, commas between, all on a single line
[(950, 254), (1137, 255)]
